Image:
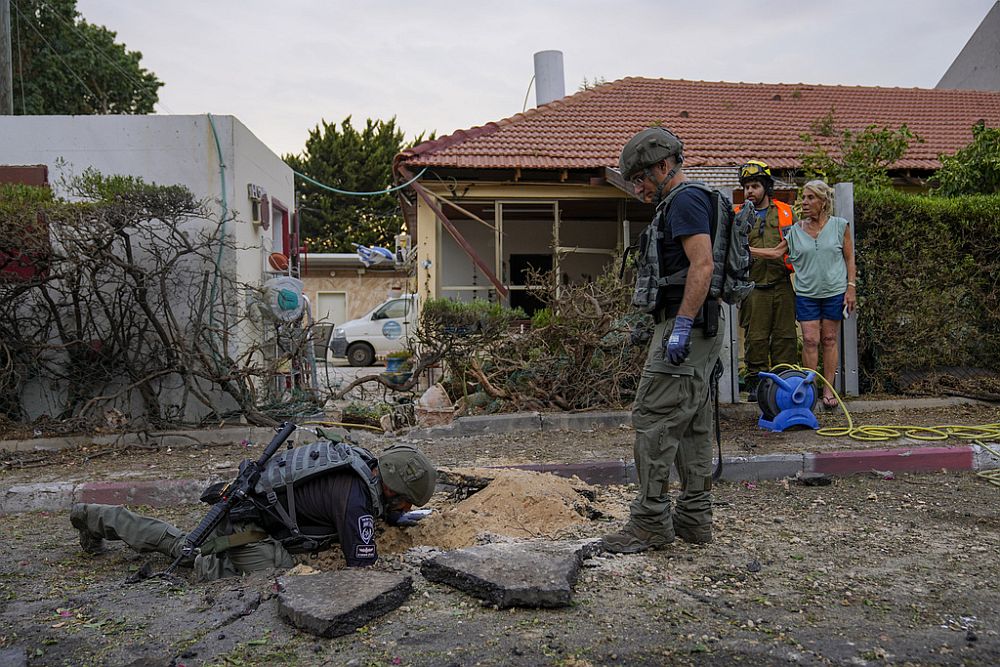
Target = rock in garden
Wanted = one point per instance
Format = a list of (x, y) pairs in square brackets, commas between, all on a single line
[(520, 574), (813, 479), (337, 603)]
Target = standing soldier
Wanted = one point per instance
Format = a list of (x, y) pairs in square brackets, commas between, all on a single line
[(672, 413), (768, 315)]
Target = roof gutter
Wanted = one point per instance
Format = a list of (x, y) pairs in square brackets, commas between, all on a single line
[(423, 193)]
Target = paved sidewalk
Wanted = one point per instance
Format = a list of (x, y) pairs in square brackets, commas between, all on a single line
[(895, 458)]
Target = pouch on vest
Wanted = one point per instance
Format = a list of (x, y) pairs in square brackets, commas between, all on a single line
[(730, 254), (648, 294)]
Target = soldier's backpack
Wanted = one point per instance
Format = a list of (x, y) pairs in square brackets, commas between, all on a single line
[(730, 253)]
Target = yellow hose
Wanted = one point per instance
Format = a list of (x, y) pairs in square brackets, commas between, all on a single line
[(991, 476), (878, 433)]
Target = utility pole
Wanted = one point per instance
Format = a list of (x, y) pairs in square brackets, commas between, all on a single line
[(6, 63)]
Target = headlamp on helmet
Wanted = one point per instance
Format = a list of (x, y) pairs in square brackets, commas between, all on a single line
[(755, 169)]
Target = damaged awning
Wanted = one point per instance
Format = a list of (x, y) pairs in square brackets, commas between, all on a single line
[(466, 247)]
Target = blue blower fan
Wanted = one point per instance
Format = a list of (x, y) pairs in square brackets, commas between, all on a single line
[(786, 399)]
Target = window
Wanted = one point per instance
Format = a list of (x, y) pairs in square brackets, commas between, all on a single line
[(394, 309)]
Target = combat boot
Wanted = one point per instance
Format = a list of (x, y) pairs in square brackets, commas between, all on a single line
[(693, 534), (632, 539), (90, 543)]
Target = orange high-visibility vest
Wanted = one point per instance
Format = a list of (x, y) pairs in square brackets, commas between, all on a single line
[(785, 219)]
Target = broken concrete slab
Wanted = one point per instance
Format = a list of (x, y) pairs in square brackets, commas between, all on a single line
[(517, 574), (337, 603)]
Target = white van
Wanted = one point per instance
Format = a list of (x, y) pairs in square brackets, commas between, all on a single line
[(384, 329)]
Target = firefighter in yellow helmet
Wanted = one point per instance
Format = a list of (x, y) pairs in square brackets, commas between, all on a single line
[(768, 314)]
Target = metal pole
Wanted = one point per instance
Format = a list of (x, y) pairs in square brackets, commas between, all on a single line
[(848, 371), (729, 383), (6, 62)]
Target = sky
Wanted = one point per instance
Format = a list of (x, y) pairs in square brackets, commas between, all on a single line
[(283, 67)]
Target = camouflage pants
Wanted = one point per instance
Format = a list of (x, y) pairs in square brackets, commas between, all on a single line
[(672, 416), (145, 534), (767, 318)]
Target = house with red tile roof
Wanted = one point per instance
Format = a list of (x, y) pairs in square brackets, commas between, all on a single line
[(541, 189)]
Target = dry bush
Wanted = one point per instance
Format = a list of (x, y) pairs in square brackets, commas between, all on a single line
[(575, 354), (133, 315)]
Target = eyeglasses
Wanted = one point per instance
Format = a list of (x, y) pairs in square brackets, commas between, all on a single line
[(638, 180)]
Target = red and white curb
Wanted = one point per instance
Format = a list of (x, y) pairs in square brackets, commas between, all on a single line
[(56, 496)]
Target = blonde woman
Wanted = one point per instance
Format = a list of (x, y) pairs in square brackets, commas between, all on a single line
[(821, 250)]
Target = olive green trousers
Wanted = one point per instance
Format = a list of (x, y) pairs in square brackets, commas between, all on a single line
[(767, 318), (672, 416), (145, 534)]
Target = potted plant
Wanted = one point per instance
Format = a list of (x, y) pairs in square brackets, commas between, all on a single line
[(398, 367), (398, 361)]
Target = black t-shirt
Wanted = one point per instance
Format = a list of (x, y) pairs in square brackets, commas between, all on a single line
[(339, 502), (690, 213)]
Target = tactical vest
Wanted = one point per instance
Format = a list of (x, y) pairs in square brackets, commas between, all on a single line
[(730, 255), (785, 220), (295, 466)]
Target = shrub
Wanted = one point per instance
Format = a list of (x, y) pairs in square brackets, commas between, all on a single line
[(927, 279), (974, 169)]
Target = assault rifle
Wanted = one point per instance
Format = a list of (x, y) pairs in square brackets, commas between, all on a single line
[(236, 491)]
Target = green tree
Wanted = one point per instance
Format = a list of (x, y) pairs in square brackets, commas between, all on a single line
[(64, 65), (357, 161), (975, 169), (854, 157)]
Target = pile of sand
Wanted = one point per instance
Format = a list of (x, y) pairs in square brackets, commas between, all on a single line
[(516, 503)]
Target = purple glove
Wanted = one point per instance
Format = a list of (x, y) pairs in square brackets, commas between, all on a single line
[(677, 347)]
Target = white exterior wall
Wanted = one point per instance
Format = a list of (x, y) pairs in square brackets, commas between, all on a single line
[(256, 164)]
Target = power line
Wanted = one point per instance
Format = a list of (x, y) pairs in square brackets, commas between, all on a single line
[(358, 194), (99, 51), (57, 55)]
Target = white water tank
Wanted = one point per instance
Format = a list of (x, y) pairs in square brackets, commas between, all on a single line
[(550, 84)]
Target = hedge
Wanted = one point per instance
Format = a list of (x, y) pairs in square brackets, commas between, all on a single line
[(928, 274)]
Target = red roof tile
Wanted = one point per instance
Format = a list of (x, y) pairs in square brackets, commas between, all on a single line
[(721, 124)]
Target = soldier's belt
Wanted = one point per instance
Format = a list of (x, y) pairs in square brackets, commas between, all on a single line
[(227, 542)]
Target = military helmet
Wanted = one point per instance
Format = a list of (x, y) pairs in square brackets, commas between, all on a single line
[(408, 472), (647, 148), (756, 170)]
